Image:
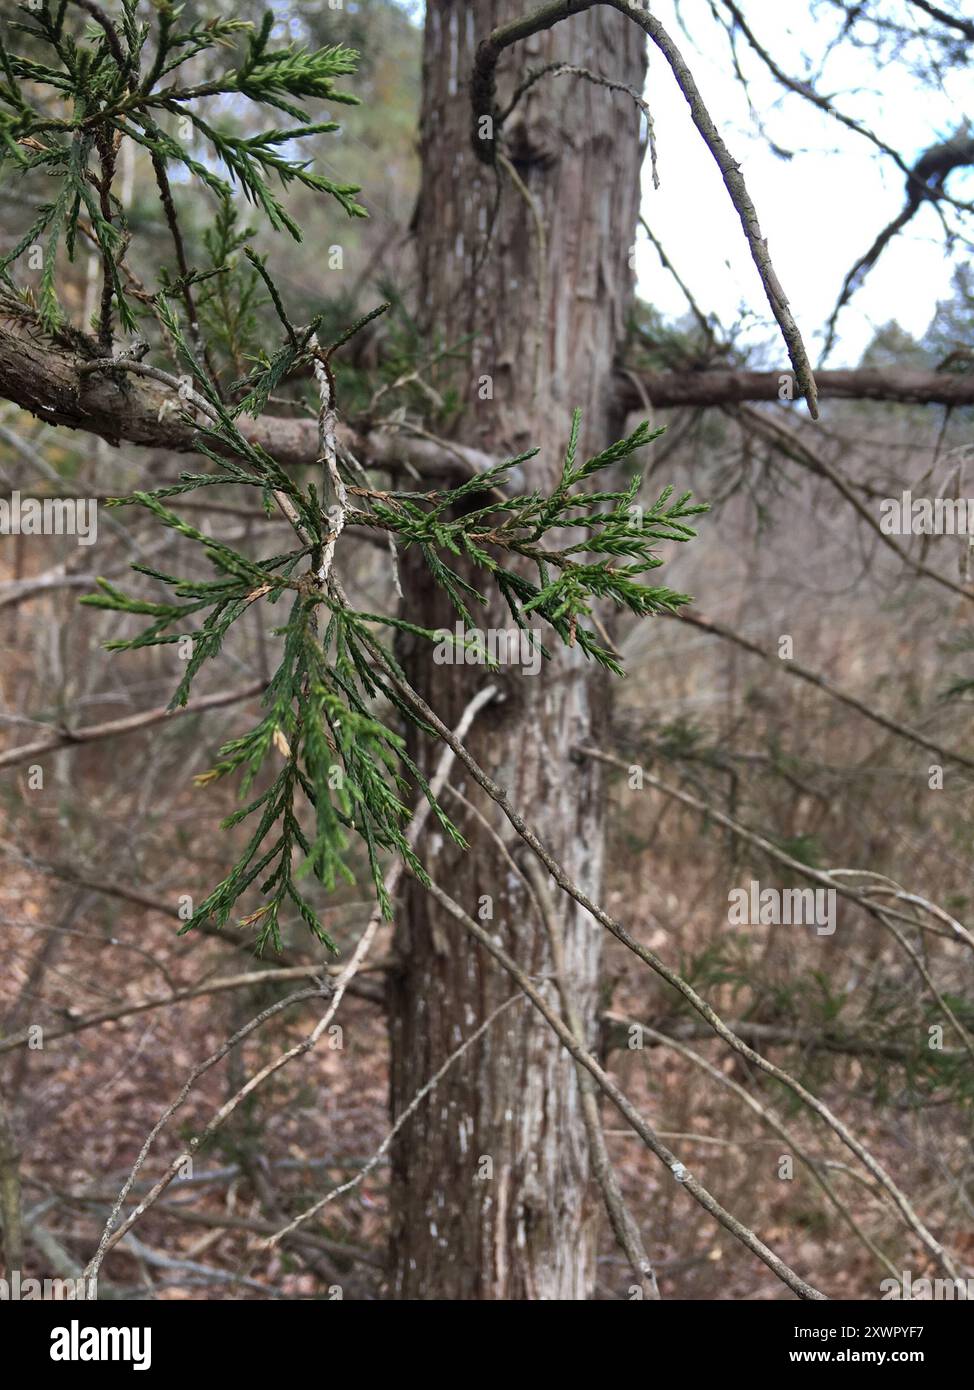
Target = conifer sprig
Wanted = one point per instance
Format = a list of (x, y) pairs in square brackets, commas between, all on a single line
[(346, 774), (107, 84), (324, 772), (566, 583)]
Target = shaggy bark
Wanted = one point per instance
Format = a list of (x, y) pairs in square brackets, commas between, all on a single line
[(491, 1196)]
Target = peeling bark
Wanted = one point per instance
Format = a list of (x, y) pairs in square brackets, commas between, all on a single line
[(548, 343), (11, 1220)]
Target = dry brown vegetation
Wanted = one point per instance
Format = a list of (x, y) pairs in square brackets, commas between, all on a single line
[(110, 835)]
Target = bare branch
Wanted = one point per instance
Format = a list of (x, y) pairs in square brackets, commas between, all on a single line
[(129, 724), (141, 1006), (951, 21), (45, 378), (775, 1124)]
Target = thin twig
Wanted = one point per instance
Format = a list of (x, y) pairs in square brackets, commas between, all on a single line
[(773, 1123), (129, 724), (793, 668), (609, 1088), (376, 1158), (111, 1236)]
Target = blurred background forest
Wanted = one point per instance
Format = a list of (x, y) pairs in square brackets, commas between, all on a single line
[(100, 861)]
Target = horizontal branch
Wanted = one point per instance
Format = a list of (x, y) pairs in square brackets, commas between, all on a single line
[(129, 724), (844, 1044), (896, 385), (141, 1006), (20, 590), (59, 387), (45, 378)]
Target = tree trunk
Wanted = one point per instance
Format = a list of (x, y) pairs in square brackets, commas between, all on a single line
[(490, 1188)]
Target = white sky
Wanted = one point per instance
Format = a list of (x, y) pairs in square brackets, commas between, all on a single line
[(819, 211)]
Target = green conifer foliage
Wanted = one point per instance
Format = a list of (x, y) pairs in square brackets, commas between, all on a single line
[(331, 768)]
